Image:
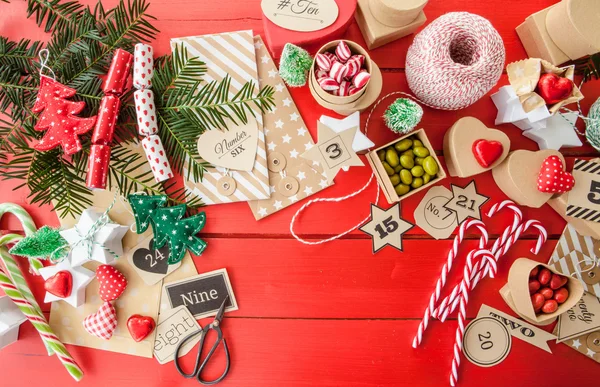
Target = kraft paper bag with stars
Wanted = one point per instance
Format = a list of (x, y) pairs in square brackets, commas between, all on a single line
[(138, 298), (232, 54), (291, 178)]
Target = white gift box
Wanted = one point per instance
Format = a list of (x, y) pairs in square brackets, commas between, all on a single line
[(11, 318), (511, 111), (106, 241)]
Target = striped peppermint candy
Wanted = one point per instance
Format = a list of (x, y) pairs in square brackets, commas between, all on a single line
[(354, 67), (328, 84), (321, 74), (360, 58), (323, 62), (331, 56), (338, 71), (352, 90), (343, 52), (361, 79), (344, 89)]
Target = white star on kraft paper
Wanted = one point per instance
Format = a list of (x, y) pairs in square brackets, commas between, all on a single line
[(81, 278), (558, 133), (106, 242), (361, 142)]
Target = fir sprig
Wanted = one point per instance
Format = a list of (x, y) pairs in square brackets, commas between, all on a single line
[(81, 47), (588, 67)]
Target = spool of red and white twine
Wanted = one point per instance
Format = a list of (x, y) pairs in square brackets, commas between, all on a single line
[(143, 70), (455, 61)]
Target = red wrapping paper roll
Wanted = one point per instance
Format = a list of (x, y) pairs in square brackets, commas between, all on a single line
[(98, 167), (116, 80), (107, 119)]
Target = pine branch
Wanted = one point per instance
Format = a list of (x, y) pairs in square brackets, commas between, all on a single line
[(19, 55), (176, 70), (54, 13)]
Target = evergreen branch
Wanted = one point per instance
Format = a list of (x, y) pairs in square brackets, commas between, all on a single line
[(176, 70), (54, 13), (19, 55), (71, 39)]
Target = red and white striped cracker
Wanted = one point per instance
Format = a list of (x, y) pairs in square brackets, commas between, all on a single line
[(102, 324), (328, 84), (157, 158), (323, 62), (338, 71), (354, 67), (343, 52), (321, 74), (146, 112), (143, 66), (361, 79)]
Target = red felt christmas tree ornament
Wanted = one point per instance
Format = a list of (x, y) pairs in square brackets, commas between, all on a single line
[(59, 117)]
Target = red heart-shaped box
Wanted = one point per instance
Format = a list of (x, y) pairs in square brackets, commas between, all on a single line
[(276, 37)]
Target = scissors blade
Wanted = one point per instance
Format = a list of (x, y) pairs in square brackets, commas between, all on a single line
[(221, 311)]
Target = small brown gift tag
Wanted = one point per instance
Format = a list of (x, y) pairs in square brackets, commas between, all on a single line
[(581, 319), (584, 199), (524, 76), (516, 293), (300, 15)]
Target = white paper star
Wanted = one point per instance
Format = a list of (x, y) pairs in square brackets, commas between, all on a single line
[(302, 131), (272, 73), (301, 175), (293, 198), (279, 87), (294, 154), (265, 59), (360, 142), (81, 278), (271, 145), (262, 211), (272, 189), (286, 139), (590, 353), (258, 45), (294, 117), (308, 190), (558, 133), (323, 184), (108, 237), (287, 102), (278, 205), (308, 145), (279, 124), (576, 344)]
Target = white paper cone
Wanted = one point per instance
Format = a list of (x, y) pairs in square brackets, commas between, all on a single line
[(157, 157), (146, 112), (143, 66)]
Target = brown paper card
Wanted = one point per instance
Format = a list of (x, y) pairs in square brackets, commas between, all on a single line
[(138, 298), (516, 293), (433, 217), (517, 176), (573, 26), (577, 255), (583, 227), (395, 13), (487, 342), (386, 227), (537, 41), (172, 327), (233, 54), (301, 15), (377, 34), (581, 319), (234, 148), (458, 146), (588, 344), (524, 76), (518, 328), (286, 138), (584, 199)]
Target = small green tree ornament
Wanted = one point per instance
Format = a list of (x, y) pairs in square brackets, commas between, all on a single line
[(403, 115), (43, 244), (294, 65), (168, 224)]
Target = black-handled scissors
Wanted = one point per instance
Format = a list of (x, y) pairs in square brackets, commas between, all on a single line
[(199, 367)]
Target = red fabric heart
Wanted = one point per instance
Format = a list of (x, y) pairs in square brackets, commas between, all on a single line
[(102, 324), (553, 88), (60, 284), (112, 282), (487, 152), (140, 326), (553, 178)]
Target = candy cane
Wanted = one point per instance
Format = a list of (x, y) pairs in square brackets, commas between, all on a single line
[(445, 270), (40, 323), (464, 299), (542, 237), (28, 226), (452, 298)]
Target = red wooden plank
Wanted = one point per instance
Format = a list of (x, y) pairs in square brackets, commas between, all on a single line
[(296, 353)]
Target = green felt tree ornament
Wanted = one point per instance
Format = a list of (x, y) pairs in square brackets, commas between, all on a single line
[(168, 224), (44, 243), (294, 65), (403, 115)]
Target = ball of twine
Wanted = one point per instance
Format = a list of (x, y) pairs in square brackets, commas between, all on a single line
[(455, 61), (592, 125)]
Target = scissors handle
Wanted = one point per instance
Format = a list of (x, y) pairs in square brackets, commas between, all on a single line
[(210, 353)]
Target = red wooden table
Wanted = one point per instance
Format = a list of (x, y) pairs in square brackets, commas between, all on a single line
[(329, 315)]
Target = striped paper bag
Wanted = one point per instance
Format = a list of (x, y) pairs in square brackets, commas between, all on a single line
[(230, 54), (576, 255)]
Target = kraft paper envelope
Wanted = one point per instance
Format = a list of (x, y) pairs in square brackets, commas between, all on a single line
[(232, 54), (139, 298), (287, 138)]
